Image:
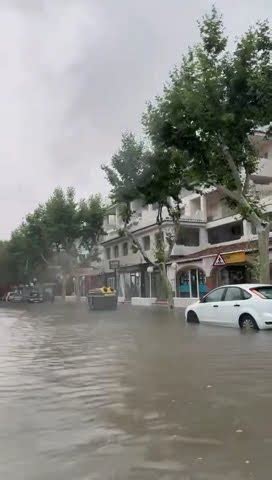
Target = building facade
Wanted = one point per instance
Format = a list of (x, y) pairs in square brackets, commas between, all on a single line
[(215, 245)]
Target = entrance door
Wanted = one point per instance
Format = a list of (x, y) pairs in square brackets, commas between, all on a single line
[(194, 283), (233, 274)]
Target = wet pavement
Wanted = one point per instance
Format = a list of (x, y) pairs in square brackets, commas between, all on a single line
[(134, 394)]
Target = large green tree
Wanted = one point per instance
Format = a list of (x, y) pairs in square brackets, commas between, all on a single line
[(137, 172), (28, 247), (56, 234), (208, 112), (72, 228), (7, 274), (91, 213)]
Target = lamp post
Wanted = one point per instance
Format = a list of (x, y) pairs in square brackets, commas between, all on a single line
[(150, 271)]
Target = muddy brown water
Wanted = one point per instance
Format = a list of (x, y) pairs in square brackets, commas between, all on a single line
[(134, 394)]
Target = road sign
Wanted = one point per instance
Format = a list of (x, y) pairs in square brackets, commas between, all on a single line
[(219, 261), (114, 264)]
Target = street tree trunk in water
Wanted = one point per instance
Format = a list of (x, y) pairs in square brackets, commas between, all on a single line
[(162, 266), (263, 246), (63, 287), (167, 286), (77, 289)]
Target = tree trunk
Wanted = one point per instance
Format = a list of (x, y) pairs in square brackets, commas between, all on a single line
[(77, 289), (167, 286), (63, 289), (263, 244)]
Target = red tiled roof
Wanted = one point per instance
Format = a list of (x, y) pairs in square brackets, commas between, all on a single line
[(212, 251)]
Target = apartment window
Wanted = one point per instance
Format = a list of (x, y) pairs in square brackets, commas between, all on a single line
[(116, 251), (188, 237), (108, 253), (146, 243), (125, 249), (225, 233)]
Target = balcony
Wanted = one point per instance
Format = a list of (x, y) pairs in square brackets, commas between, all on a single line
[(183, 250), (264, 169), (196, 217), (264, 191)]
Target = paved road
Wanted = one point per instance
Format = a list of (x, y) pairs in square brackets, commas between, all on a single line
[(131, 395)]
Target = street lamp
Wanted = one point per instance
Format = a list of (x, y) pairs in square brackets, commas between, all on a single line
[(150, 270)]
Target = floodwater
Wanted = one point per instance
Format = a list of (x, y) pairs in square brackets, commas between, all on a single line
[(131, 395)]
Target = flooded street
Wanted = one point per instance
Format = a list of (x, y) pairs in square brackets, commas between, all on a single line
[(133, 394)]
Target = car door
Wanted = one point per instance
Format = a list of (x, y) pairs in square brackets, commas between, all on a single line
[(233, 304), (209, 308)]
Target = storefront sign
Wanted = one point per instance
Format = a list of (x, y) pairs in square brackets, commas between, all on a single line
[(114, 264), (237, 257), (229, 259)]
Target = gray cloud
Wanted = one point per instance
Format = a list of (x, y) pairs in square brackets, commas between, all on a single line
[(74, 74)]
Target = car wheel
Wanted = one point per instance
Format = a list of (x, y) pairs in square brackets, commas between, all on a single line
[(247, 322), (192, 317)]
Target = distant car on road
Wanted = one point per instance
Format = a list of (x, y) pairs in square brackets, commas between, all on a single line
[(14, 297), (35, 297), (245, 306)]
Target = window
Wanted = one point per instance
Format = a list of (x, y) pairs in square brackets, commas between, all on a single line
[(108, 253), (116, 251), (225, 233), (111, 282), (146, 242), (191, 283), (125, 249), (188, 237), (265, 292), (235, 293), (215, 296)]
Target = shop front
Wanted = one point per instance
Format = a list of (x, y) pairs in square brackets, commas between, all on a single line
[(191, 283), (130, 281), (236, 269)]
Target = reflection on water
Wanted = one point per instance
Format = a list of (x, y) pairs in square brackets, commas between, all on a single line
[(133, 394)]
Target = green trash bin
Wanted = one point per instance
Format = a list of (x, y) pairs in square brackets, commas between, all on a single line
[(102, 299)]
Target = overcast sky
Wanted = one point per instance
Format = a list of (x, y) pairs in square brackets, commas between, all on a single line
[(75, 74)]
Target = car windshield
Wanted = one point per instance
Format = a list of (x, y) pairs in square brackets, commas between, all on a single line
[(266, 292)]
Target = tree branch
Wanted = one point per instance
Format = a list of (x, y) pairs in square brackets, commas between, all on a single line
[(138, 244), (232, 166), (44, 259), (246, 183), (241, 200)]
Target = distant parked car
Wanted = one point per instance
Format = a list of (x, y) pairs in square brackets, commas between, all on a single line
[(14, 297), (7, 296), (35, 297), (244, 306)]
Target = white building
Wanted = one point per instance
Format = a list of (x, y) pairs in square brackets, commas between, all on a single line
[(208, 228)]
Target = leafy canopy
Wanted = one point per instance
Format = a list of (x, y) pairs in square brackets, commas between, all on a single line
[(212, 104)]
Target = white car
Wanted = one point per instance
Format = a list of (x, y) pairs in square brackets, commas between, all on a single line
[(244, 306)]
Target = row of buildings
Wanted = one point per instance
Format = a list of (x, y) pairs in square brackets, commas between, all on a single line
[(209, 230)]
